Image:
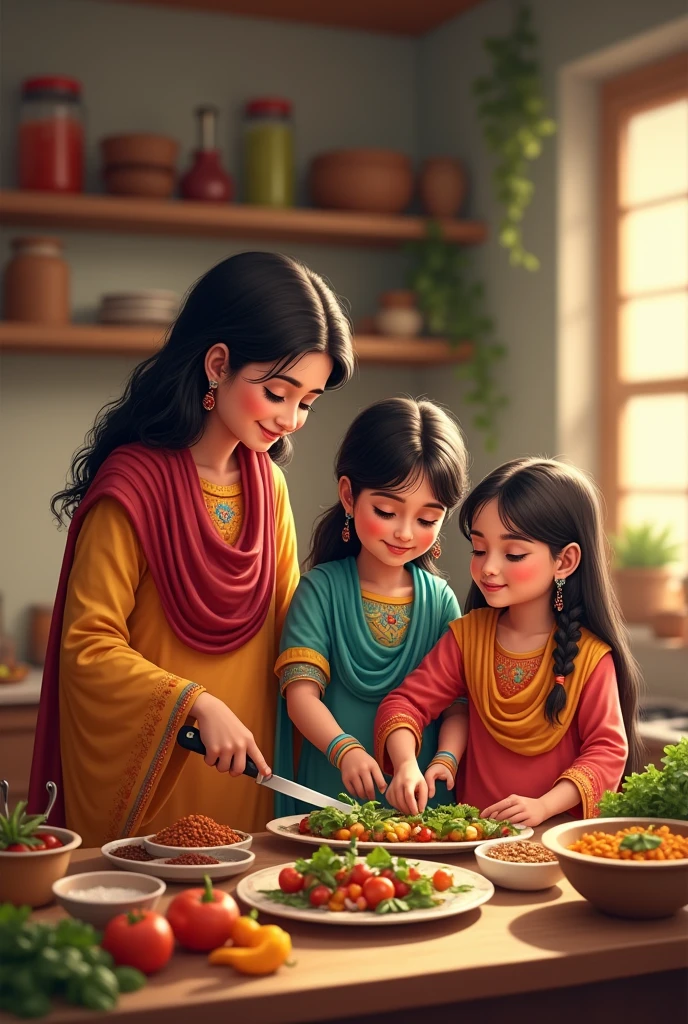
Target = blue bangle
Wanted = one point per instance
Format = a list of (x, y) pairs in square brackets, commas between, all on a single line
[(447, 753)]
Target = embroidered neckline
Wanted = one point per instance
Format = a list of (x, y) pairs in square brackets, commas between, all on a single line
[(220, 490), (519, 655), (368, 595)]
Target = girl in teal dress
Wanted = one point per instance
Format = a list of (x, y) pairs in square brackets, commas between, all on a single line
[(373, 603)]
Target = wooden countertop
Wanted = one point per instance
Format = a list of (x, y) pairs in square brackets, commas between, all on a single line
[(516, 943)]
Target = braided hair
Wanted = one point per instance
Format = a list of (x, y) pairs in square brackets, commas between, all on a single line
[(555, 504)]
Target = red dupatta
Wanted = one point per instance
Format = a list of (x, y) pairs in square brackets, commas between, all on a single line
[(215, 596)]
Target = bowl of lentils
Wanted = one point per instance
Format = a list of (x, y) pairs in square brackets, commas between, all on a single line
[(518, 864), (196, 834)]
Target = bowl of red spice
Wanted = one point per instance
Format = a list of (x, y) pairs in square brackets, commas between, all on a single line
[(518, 864), (182, 865), (196, 833)]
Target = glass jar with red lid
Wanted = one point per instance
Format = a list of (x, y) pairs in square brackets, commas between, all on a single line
[(268, 152), (51, 135)]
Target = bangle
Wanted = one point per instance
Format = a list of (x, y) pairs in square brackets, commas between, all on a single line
[(447, 760), (340, 746)]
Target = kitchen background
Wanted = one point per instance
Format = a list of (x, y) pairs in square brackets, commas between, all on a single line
[(146, 68)]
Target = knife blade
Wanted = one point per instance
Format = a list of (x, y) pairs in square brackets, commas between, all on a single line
[(189, 737)]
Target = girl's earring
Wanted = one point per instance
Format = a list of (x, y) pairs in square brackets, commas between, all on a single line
[(559, 599), (346, 532), (209, 397), (436, 550)]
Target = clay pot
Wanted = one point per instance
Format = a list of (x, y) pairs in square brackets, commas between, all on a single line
[(399, 316), (143, 149), (27, 878), (372, 180), (670, 625), (37, 282), (442, 185), (642, 593), (152, 182)]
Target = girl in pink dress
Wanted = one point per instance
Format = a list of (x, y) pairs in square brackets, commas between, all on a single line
[(536, 682)]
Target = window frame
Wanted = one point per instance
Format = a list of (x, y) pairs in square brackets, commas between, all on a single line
[(620, 99)]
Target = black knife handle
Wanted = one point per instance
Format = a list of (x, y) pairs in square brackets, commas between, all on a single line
[(189, 737)]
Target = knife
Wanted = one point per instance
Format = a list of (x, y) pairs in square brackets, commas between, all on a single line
[(190, 738)]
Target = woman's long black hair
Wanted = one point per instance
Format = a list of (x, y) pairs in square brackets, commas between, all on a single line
[(391, 445), (266, 308), (555, 504)]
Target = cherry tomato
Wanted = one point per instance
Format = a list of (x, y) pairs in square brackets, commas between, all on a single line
[(426, 835), (140, 939), (50, 842), (388, 873), (442, 880), (362, 903), (401, 889), (357, 829), (319, 896), (360, 873), (303, 826), (342, 876), (308, 881), (202, 919), (505, 831), (354, 891), (376, 890), (290, 880), (38, 846), (414, 874), (342, 833), (18, 848)]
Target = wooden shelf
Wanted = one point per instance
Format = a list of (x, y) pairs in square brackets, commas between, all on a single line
[(229, 220), (99, 339)]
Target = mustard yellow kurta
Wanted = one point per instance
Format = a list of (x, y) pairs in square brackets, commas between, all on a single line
[(127, 683)]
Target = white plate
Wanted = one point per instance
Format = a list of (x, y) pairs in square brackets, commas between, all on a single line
[(284, 827), (249, 888), (234, 862), (159, 850)]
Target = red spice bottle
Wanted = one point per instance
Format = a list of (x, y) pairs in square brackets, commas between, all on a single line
[(206, 179), (51, 135)]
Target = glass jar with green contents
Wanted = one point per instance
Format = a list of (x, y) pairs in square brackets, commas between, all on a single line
[(269, 153)]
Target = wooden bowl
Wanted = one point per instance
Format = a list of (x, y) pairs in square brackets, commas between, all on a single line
[(624, 888), (27, 878), (152, 182), (149, 150), (372, 180)]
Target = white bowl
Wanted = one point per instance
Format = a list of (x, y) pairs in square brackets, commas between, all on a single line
[(232, 862), (98, 913), (511, 875), (159, 850)]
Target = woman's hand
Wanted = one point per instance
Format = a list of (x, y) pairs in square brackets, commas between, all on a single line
[(519, 810), (439, 772), (408, 790), (227, 741), (361, 774)]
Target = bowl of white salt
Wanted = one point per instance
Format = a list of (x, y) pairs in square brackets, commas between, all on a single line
[(98, 896)]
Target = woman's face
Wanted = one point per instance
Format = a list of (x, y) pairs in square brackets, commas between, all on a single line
[(257, 411), (397, 526)]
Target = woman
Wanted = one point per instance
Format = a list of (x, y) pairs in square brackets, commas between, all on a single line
[(181, 559)]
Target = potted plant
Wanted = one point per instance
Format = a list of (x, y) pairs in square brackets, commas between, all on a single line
[(642, 556)]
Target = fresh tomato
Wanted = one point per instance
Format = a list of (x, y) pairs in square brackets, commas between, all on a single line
[(505, 831), (442, 880), (319, 896), (387, 873), (456, 835), (290, 880), (308, 881), (18, 848), (376, 890), (354, 891), (140, 939), (414, 874), (360, 873), (401, 889), (50, 842), (342, 876), (342, 833), (202, 919), (303, 826), (426, 835), (357, 829)]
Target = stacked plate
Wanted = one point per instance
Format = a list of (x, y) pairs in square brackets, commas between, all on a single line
[(147, 306)]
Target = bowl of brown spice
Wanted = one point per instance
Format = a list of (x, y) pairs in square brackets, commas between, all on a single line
[(196, 833), (518, 864)]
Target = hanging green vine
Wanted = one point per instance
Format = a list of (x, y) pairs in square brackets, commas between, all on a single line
[(512, 111), (453, 304)]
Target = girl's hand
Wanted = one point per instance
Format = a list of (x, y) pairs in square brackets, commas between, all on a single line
[(408, 790), (519, 810), (361, 774), (227, 741), (435, 772)]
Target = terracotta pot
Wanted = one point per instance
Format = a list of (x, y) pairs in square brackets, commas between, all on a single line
[(27, 878), (670, 625), (37, 282), (442, 185), (373, 180), (149, 150), (400, 298), (642, 593), (399, 316), (153, 182)]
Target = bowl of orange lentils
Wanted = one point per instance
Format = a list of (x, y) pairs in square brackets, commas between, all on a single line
[(628, 867)]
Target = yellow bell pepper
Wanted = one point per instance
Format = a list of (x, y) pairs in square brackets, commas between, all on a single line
[(270, 952)]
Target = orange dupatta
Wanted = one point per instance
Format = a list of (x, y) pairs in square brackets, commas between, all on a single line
[(518, 722)]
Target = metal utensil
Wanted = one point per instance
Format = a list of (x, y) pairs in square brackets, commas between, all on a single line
[(190, 738), (5, 787), (52, 797)]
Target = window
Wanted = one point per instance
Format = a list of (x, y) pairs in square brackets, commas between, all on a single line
[(644, 280)]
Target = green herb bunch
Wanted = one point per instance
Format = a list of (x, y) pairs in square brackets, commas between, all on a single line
[(644, 547), (653, 793), (19, 827)]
